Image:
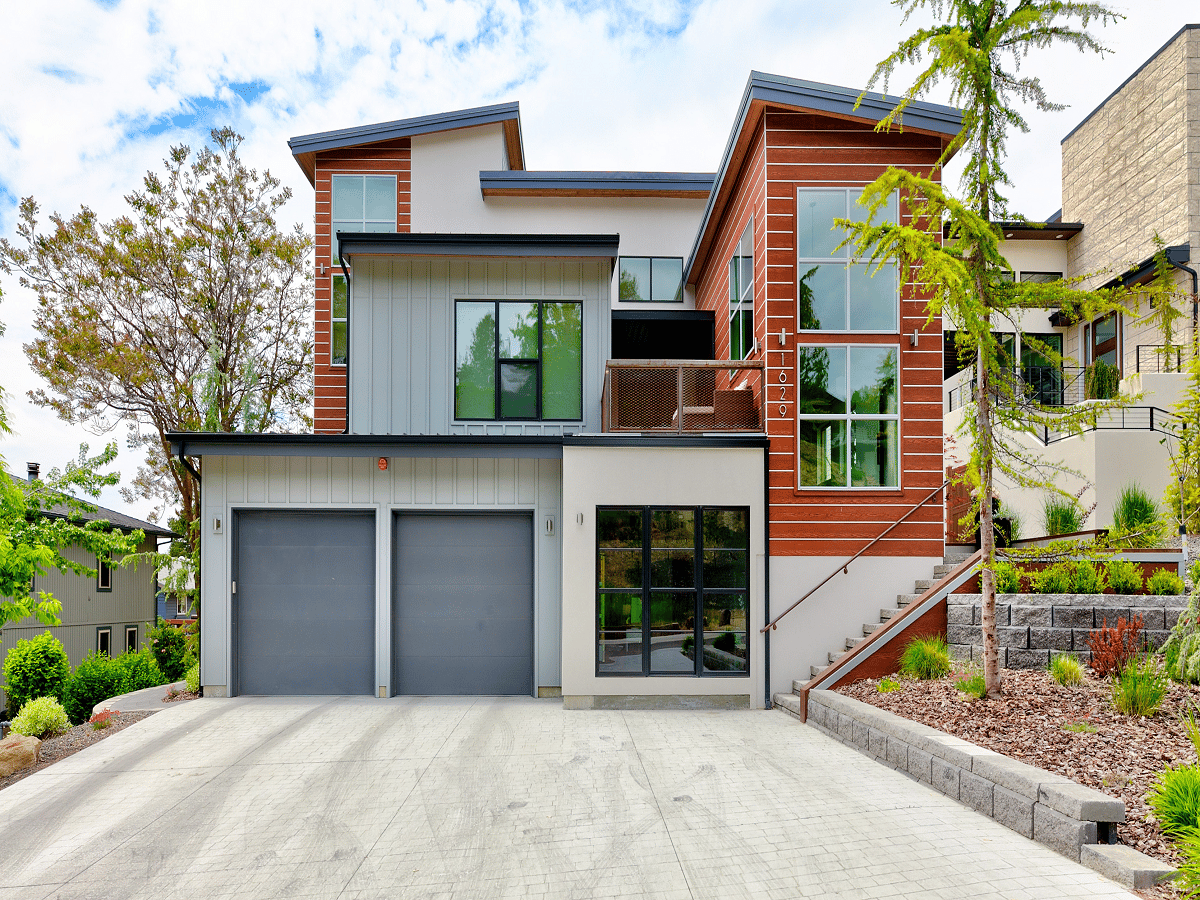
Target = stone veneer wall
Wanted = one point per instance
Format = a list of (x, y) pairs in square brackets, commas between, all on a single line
[(1031, 628)]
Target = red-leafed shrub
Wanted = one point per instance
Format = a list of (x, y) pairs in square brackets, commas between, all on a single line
[(102, 719), (1113, 647)]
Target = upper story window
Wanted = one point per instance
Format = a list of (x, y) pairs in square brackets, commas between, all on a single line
[(1041, 277), (741, 296), (103, 574), (651, 279), (834, 291), (339, 304), (518, 360), (361, 203)]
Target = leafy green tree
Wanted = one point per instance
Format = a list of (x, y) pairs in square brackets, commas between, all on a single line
[(975, 48)]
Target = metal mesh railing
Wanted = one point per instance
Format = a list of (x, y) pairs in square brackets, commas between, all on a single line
[(683, 396)]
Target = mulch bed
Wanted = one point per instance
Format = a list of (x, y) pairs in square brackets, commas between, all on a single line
[(72, 741), (1122, 758)]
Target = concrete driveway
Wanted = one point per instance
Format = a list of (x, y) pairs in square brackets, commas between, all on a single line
[(490, 798)]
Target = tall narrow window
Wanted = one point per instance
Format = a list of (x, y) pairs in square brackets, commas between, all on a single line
[(104, 641), (361, 203), (741, 296), (339, 305), (103, 574), (131, 639)]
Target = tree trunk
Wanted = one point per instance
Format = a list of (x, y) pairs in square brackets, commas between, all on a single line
[(987, 533)]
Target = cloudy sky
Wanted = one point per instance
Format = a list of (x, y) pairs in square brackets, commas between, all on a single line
[(96, 93)]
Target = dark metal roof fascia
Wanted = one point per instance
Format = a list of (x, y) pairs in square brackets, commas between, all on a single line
[(707, 441), (1137, 72), (823, 97), (387, 131), (664, 315), (596, 181), (1048, 228), (419, 244), (1176, 255), (360, 445)]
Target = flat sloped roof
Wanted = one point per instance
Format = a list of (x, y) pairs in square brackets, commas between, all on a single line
[(690, 185)]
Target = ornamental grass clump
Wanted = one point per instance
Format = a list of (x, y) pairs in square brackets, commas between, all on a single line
[(1066, 670), (1140, 687), (1124, 576), (40, 717), (1061, 515), (1188, 877), (1175, 799), (926, 658), (1136, 519)]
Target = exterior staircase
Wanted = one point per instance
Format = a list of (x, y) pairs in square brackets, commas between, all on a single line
[(948, 565)]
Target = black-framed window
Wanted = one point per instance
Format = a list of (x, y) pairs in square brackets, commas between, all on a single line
[(339, 307), (103, 574), (104, 640), (651, 279), (361, 203), (741, 296), (673, 591), (518, 359), (1042, 277), (131, 639)]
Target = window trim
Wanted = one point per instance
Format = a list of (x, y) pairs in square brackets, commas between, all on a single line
[(101, 631), (103, 568), (498, 360), (363, 222), (131, 630), (849, 418), (335, 320), (738, 305), (803, 263), (647, 591), (650, 259)]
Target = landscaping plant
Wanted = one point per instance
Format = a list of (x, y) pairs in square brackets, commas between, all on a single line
[(1175, 799), (1136, 520), (1188, 879), (35, 668), (138, 670), (972, 684), (1102, 380), (1066, 670), (1182, 649), (926, 658), (101, 720), (1165, 583), (1008, 578), (1088, 578), (1124, 576), (95, 679), (1114, 646), (1139, 688), (193, 678), (1061, 515), (40, 717), (1056, 579), (1080, 727), (169, 646)]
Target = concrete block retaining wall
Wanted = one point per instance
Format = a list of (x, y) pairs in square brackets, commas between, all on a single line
[(1031, 628), (1074, 820)]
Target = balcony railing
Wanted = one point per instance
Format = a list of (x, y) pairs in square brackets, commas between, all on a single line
[(683, 396), (1155, 358), (1046, 385)]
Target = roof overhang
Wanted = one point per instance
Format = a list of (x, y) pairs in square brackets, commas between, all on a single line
[(568, 246), (1039, 231), (683, 185), (1142, 273), (305, 147), (793, 94)]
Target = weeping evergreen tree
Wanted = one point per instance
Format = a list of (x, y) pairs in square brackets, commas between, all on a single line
[(975, 49)]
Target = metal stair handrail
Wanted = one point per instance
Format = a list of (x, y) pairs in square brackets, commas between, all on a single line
[(845, 567)]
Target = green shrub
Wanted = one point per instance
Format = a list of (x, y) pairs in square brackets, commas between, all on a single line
[(138, 670), (1102, 380), (1139, 688), (169, 646), (35, 668), (1016, 525), (1088, 578), (1124, 576), (40, 717), (96, 678), (1165, 582), (1136, 521), (1008, 578), (1061, 515), (1066, 670), (1188, 878), (1083, 727), (1182, 649), (193, 678), (1175, 799), (725, 641), (926, 658), (972, 685), (1056, 579)]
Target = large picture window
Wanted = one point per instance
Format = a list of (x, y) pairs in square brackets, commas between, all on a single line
[(673, 591), (518, 360), (741, 296), (834, 291), (651, 279), (361, 203), (847, 418)]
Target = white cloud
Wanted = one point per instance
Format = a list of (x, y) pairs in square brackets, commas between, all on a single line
[(94, 91)]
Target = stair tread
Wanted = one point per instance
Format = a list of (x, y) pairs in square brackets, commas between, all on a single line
[(817, 670)]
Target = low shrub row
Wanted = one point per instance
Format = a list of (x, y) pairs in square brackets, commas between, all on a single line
[(1086, 577)]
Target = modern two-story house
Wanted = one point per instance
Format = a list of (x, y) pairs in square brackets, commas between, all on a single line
[(584, 433)]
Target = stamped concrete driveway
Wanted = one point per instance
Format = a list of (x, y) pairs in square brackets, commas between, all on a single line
[(489, 798)]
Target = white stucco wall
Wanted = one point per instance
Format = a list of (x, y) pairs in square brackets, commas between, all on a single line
[(639, 476)]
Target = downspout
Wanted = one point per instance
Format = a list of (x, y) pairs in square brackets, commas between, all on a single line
[(1195, 300), (767, 569), (345, 272)]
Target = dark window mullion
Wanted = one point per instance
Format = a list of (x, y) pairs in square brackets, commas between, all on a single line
[(540, 352), (646, 594), (496, 409), (698, 570)]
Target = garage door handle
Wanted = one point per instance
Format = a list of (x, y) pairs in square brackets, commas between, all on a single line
[(233, 589)]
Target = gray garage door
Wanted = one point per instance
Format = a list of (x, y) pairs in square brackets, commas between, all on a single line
[(462, 594), (304, 610)]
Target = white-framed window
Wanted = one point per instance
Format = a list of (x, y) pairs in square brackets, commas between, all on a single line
[(104, 640), (741, 296), (131, 639), (848, 416), (361, 203), (103, 574), (339, 308), (834, 291), (651, 279)]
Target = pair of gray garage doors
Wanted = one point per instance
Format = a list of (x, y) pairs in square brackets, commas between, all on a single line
[(303, 613)]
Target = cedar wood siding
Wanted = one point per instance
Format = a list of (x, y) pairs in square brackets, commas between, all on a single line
[(385, 158), (794, 150)]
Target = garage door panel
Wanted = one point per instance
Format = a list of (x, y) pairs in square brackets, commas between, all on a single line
[(305, 604), (463, 604)]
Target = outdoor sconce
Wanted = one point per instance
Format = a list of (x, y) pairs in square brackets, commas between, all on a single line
[(913, 340), (783, 337)]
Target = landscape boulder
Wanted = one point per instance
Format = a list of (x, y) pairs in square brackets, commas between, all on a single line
[(17, 752)]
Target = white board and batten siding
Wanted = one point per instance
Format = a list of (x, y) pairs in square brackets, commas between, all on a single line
[(402, 337), (356, 483)]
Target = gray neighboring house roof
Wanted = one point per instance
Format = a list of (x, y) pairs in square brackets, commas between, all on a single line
[(114, 518)]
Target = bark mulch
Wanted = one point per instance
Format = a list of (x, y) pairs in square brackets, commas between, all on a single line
[(1121, 757), (72, 741)]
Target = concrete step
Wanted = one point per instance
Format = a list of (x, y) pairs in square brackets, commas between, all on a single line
[(871, 629), (834, 655), (851, 643), (903, 600), (885, 614), (940, 572), (797, 685), (955, 559), (816, 670), (924, 584)]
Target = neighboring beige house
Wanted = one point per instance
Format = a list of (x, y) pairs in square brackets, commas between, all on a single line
[(107, 612), (1130, 171)]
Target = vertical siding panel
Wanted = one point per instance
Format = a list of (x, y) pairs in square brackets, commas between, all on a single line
[(423, 481), (495, 277), (444, 471), (298, 480), (477, 277), (486, 482), (320, 480), (381, 364), (233, 476), (360, 478), (441, 341), (527, 470), (464, 481), (506, 481), (340, 480), (514, 279), (402, 481), (422, 290), (256, 479), (277, 478)]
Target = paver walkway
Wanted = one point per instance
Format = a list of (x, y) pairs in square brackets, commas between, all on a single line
[(487, 798)]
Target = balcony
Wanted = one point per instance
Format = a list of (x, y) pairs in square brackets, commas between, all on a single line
[(674, 396)]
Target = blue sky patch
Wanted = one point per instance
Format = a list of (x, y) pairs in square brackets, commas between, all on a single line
[(70, 76)]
